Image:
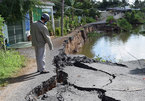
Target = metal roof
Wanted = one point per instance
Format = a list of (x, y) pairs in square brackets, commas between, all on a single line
[(122, 9)]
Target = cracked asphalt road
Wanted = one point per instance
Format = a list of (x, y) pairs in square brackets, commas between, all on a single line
[(95, 81), (128, 84), (120, 83)]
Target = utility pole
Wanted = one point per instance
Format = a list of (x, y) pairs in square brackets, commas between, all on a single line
[(62, 16)]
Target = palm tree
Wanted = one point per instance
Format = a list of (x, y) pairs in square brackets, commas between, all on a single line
[(72, 6)]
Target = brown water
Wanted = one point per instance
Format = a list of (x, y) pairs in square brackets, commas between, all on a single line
[(117, 48)]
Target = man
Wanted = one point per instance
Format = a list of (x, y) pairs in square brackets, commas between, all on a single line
[(40, 36)]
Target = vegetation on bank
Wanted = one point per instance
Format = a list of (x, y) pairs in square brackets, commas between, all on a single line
[(10, 62), (130, 19), (76, 13), (124, 24), (70, 25), (1, 34), (95, 34)]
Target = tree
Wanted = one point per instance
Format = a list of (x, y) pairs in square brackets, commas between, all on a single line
[(135, 17), (1, 25), (124, 3), (87, 8), (62, 16), (71, 7), (15, 10), (137, 3), (124, 24), (110, 3)]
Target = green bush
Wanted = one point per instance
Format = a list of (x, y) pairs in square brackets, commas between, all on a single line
[(70, 24), (110, 19), (90, 19), (135, 17), (10, 62), (65, 31), (1, 34), (50, 29), (76, 21), (83, 20), (124, 24), (58, 31), (66, 22)]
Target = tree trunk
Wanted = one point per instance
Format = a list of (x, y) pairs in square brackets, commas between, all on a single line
[(62, 16)]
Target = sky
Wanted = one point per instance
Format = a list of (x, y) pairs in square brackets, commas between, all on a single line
[(130, 1)]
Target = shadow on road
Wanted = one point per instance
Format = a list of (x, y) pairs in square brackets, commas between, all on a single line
[(22, 78), (138, 71)]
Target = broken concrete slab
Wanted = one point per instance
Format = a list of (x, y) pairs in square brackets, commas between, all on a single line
[(82, 79), (87, 78)]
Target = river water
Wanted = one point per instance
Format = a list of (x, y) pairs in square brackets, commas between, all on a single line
[(116, 47)]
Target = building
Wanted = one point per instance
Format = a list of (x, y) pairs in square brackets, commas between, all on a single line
[(16, 34), (121, 9)]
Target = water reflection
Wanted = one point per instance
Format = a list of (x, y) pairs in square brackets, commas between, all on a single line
[(120, 47)]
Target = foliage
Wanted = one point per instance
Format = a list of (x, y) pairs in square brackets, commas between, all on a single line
[(111, 21), (89, 9), (70, 9), (142, 33), (86, 9), (135, 17), (50, 29), (15, 10), (77, 8), (124, 24), (124, 3), (10, 62), (137, 4), (70, 24), (66, 22), (58, 31), (1, 34), (83, 20), (143, 9), (109, 3), (90, 19), (65, 32), (95, 34), (100, 59)]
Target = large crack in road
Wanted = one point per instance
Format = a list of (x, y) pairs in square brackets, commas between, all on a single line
[(79, 78), (63, 64)]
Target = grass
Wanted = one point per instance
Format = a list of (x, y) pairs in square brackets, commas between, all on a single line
[(100, 59), (95, 34), (107, 59), (10, 62)]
